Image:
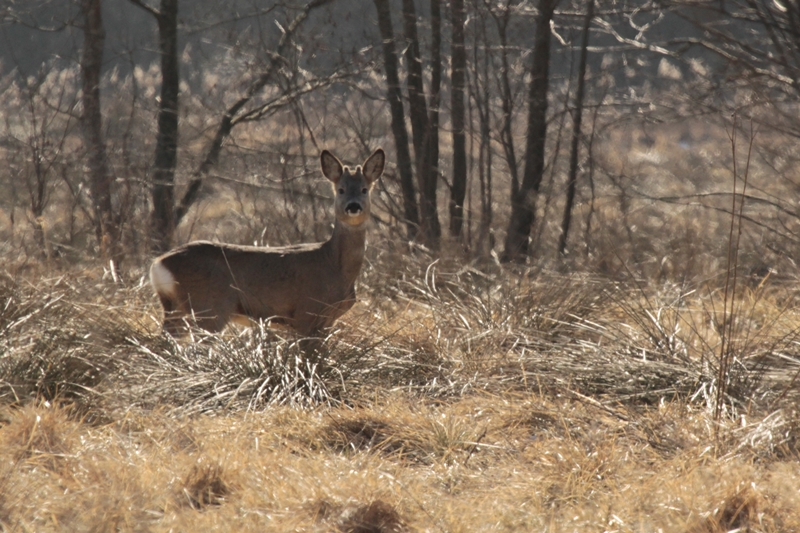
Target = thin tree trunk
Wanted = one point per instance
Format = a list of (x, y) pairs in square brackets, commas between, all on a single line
[(480, 95), (459, 66), (399, 131), (106, 228), (166, 157), (435, 102), (506, 98), (523, 203), (576, 132), (37, 190), (487, 215), (421, 130), (166, 154), (587, 250)]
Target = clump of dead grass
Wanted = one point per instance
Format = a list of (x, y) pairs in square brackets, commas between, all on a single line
[(362, 433), (630, 341), (737, 512), (422, 437), (376, 517), (40, 436), (442, 334), (205, 485), (251, 370), (471, 399), (49, 344), (514, 461)]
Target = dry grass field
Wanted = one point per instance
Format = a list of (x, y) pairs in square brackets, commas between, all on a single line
[(632, 387), (454, 397)]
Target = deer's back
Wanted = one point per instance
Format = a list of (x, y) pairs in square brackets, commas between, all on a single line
[(297, 282)]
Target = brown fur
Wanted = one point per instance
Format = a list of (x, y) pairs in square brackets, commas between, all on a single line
[(305, 286)]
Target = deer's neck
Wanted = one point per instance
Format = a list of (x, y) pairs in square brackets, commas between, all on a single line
[(347, 249)]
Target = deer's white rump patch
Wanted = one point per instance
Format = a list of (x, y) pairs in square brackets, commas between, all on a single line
[(162, 279)]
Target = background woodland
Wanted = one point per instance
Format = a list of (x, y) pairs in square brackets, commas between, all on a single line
[(578, 309)]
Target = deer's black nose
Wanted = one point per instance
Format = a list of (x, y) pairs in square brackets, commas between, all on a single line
[(353, 208)]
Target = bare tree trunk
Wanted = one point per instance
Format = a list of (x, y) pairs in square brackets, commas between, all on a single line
[(106, 228), (480, 95), (436, 88), (37, 181), (38, 194), (506, 98), (523, 202), (576, 132), (458, 77), (229, 120), (421, 130), (399, 131), (166, 155)]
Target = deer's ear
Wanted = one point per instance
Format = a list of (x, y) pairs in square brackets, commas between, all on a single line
[(331, 166), (373, 166)]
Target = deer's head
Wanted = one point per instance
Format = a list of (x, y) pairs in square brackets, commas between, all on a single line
[(352, 186)]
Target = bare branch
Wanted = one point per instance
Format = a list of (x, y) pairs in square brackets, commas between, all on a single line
[(229, 118), (153, 11)]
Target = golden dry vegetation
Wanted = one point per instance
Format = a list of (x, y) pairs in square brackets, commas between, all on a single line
[(619, 389), (454, 397), (646, 381)]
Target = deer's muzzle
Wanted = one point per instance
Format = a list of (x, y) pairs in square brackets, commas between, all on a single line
[(353, 208)]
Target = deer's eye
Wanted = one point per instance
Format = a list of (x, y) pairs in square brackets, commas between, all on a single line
[(364, 190), (341, 191)]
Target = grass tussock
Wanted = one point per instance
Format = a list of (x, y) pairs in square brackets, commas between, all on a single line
[(452, 397), (737, 512), (205, 485), (375, 517)]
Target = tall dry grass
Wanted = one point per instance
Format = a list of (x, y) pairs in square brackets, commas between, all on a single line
[(591, 392), (453, 397)]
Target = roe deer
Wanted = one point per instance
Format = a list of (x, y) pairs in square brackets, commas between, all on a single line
[(304, 286)]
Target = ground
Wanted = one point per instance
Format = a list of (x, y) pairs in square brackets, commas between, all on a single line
[(451, 399)]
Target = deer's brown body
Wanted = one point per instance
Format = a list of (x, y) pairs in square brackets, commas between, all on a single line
[(305, 286)]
